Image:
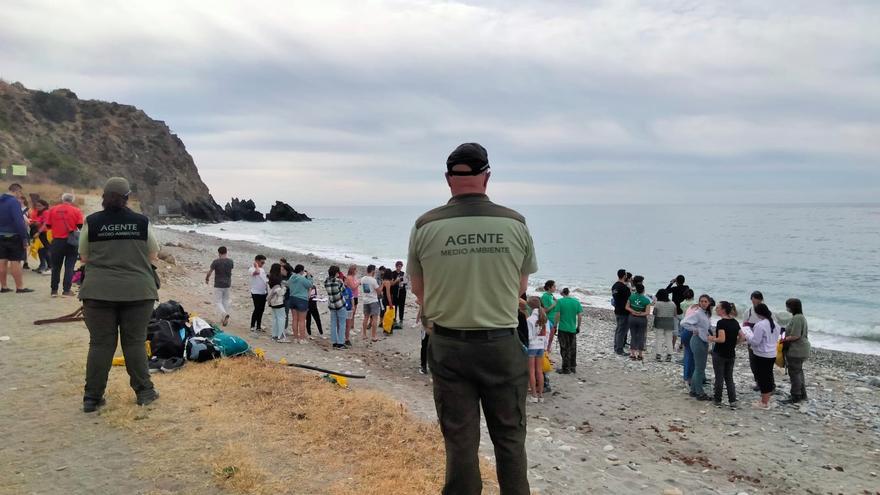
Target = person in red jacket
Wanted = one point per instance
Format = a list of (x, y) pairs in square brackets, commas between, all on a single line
[(64, 220)]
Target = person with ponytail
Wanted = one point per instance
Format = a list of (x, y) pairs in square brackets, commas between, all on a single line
[(724, 354), (796, 349), (548, 301), (762, 338), (537, 322), (697, 322)]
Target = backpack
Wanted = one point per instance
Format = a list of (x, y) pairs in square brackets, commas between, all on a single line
[(347, 298), (170, 310), (165, 342), (230, 345), (201, 349)]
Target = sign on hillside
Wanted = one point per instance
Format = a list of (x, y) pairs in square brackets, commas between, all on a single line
[(19, 170)]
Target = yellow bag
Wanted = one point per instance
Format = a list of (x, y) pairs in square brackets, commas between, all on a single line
[(388, 320), (780, 357), (547, 366)]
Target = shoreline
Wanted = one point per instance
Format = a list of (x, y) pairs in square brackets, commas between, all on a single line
[(856, 360)]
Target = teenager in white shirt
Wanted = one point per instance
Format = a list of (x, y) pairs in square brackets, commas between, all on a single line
[(259, 290)]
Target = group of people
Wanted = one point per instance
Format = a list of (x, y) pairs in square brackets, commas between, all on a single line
[(291, 293), (53, 232), (771, 339)]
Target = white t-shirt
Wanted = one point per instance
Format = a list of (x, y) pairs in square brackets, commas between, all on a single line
[(535, 341), (369, 288), (259, 282)]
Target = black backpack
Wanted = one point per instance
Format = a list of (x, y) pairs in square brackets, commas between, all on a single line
[(201, 349), (171, 311), (165, 341)]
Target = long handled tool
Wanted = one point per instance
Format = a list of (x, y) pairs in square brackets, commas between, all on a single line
[(75, 316), (322, 370)]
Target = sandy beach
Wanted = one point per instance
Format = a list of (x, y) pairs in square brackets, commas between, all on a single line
[(616, 427), (620, 426)]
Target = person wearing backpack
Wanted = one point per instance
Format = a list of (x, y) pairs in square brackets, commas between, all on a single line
[(120, 287)]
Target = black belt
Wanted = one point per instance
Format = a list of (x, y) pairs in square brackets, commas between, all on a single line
[(472, 334)]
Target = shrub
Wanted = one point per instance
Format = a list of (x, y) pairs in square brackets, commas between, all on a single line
[(54, 107), (65, 169)]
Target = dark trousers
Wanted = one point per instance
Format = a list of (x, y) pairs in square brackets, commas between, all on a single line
[(43, 252), (796, 374), (62, 254), (259, 308), (764, 374), (568, 349), (724, 375), (620, 332), (400, 305), (753, 365), (107, 321), (492, 372), (424, 353), (313, 313)]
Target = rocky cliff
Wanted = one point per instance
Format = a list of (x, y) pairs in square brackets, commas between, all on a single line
[(79, 143)]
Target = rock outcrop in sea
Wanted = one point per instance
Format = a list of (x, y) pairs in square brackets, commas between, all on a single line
[(80, 143), (283, 212), (243, 210)]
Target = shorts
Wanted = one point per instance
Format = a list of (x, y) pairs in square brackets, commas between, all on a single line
[(299, 304), (536, 353), (355, 301), (12, 248), (371, 309)]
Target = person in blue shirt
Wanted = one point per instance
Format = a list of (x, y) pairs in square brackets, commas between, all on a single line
[(13, 239)]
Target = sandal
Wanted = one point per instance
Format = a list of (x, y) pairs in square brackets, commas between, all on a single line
[(4, 291)]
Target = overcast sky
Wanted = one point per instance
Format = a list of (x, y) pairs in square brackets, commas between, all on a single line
[(360, 102)]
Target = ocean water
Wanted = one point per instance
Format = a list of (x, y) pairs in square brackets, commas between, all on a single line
[(826, 255)]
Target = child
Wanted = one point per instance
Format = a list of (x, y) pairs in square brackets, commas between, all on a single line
[(537, 322), (275, 300)]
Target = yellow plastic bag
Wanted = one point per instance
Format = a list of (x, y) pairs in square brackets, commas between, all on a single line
[(780, 357), (118, 361), (547, 366), (388, 320)]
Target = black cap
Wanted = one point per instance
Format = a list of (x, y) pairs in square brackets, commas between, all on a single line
[(470, 154)]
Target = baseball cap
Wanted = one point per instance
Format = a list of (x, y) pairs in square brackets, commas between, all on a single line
[(117, 185), (471, 154)]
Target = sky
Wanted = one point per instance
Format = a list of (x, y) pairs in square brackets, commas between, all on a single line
[(577, 102)]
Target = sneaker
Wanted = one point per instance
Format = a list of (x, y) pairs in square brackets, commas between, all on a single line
[(717, 403), (283, 340), (563, 371), (148, 398), (734, 405), (323, 337), (573, 371), (533, 400), (54, 293), (225, 320), (703, 397), (348, 343), (155, 364), (68, 293), (172, 364), (669, 358), (423, 370), (253, 329), (5, 290), (658, 358), (540, 400), (92, 405), (640, 358), (23, 291)]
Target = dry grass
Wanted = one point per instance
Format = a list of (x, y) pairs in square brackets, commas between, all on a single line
[(259, 427)]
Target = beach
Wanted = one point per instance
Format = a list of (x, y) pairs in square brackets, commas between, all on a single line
[(617, 426)]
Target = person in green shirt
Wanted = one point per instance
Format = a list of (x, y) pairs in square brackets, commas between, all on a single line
[(548, 301), (639, 308), (797, 349), (569, 313)]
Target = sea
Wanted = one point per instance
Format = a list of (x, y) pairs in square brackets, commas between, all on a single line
[(826, 255)]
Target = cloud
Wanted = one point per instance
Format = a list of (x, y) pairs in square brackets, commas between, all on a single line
[(575, 100)]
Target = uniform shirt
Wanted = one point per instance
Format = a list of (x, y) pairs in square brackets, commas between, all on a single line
[(638, 302), (547, 300), (471, 255), (64, 219), (117, 246), (800, 348), (569, 309), (222, 272)]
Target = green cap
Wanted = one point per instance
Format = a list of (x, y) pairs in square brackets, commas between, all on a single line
[(118, 185)]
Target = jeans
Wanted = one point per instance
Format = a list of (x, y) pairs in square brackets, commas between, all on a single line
[(108, 322), (620, 332), (221, 300), (568, 349), (259, 308), (279, 322), (62, 254), (337, 325), (491, 372), (688, 354), (700, 351), (724, 375), (796, 374)]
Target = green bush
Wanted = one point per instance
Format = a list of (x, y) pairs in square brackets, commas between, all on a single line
[(59, 166), (54, 107)]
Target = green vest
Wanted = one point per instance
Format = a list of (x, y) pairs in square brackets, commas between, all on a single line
[(118, 266)]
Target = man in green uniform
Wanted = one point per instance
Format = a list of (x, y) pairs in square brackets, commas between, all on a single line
[(570, 310), (118, 292), (469, 261)]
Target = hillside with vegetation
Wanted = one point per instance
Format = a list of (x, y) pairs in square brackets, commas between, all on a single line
[(80, 143)]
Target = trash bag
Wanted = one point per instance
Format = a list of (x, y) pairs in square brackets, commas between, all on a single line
[(388, 320)]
